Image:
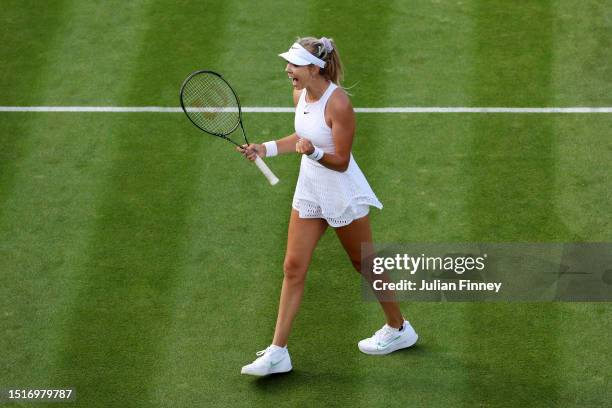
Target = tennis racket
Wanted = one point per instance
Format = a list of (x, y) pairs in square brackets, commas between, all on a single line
[(213, 106)]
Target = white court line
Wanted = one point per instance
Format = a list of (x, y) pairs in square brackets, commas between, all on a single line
[(263, 109)]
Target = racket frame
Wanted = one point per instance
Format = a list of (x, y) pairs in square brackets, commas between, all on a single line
[(239, 122), (258, 161)]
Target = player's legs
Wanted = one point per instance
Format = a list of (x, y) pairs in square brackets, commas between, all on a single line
[(303, 235), (352, 236)]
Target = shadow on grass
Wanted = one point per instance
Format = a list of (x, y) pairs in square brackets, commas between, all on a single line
[(301, 379)]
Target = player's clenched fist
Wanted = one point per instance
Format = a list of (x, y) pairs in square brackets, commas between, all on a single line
[(304, 146)]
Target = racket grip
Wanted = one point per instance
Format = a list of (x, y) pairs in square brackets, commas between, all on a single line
[(266, 171)]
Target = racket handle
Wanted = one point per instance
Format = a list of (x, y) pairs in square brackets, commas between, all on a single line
[(266, 171)]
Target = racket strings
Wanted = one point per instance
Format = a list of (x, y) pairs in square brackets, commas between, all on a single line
[(211, 103)]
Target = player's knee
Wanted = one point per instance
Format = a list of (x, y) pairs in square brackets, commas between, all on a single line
[(364, 266), (294, 270)]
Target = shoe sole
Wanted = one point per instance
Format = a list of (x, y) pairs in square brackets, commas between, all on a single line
[(275, 371), (409, 342)]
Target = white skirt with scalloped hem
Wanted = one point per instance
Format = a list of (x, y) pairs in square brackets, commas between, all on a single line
[(338, 197)]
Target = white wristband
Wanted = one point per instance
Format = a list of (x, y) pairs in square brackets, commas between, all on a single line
[(271, 149), (316, 155)]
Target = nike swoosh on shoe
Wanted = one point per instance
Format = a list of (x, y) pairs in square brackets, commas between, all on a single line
[(384, 346), (272, 365)]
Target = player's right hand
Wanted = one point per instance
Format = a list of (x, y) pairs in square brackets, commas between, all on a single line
[(252, 151)]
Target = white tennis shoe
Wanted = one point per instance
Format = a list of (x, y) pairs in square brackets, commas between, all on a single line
[(272, 360), (388, 339)]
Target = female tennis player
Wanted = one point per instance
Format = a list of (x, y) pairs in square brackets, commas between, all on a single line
[(331, 191)]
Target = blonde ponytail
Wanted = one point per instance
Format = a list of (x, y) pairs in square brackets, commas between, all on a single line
[(325, 49)]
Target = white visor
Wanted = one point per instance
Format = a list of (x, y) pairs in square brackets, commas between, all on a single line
[(298, 55)]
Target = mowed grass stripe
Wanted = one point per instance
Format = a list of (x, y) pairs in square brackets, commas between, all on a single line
[(512, 349), (122, 311), (45, 223), (29, 36), (118, 311), (424, 202), (412, 164), (49, 200), (582, 42), (22, 76), (586, 354), (583, 183), (31, 33), (583, 191)]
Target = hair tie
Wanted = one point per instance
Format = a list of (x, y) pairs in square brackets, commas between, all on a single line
[(327, 44)]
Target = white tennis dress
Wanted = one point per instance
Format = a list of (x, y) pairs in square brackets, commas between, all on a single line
[(338, 197)]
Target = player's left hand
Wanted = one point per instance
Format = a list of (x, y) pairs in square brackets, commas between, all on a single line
[(304, 146)]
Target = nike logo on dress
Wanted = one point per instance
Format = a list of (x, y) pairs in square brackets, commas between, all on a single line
[(306, 113)]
